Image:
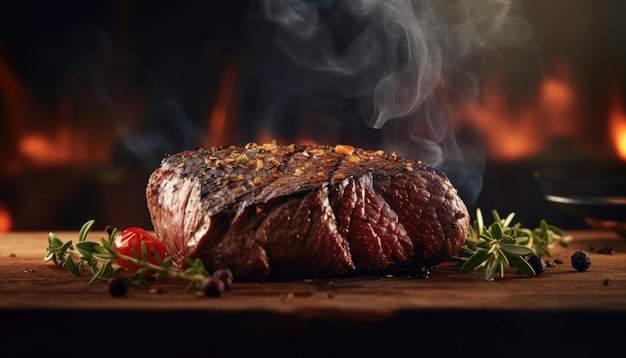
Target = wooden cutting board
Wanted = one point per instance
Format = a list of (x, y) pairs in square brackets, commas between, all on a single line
[(557, 311)]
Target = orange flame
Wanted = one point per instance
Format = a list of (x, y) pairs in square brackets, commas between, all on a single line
[(66, 145), (43, 138), (220, 124), (6, 222), (617, 126), (517, 134)]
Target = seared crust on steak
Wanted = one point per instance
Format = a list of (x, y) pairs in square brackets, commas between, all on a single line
[(304, 210)]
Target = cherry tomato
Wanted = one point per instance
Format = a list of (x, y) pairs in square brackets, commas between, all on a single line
[(130, 239)]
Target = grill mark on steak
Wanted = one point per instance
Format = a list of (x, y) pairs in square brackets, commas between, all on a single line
[(310, 243), (431, 205), (377, 240), (278, 211)]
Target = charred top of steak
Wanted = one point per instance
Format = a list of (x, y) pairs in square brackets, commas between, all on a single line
[(275, 211)]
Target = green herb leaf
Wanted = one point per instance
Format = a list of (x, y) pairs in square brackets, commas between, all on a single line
[(476, 260), (516, 250), (496, 231), (522, 265), (74, 269), (490, 268), (54, 241), (87, 248), (82, 234)]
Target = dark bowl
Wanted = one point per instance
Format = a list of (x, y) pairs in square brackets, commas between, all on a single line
[(597, 195), (610, 208)]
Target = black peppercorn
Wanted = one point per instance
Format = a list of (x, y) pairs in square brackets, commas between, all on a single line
[(117, 286), (212, 286), (226, 276), (538, 264), (581, 260)]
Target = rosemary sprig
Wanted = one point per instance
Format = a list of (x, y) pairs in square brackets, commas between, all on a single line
[(99, 260), (501, 245)]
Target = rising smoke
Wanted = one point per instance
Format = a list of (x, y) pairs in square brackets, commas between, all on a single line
[(407, 64)]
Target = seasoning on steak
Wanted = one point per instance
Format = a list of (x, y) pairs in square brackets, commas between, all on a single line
[(279, 211)]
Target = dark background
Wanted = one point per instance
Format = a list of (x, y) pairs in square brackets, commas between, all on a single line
[(147, 75)]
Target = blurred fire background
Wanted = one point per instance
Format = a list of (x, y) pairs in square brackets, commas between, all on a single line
[(94, 93)]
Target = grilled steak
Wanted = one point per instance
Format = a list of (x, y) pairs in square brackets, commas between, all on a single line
[(278, 211)]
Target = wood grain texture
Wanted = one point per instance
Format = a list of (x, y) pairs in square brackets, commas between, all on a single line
[(338, 312)]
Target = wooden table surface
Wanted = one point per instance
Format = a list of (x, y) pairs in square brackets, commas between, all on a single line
[(560, 311)]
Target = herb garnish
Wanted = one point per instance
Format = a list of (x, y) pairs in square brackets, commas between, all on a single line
[(99, 259), (501, 245)]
